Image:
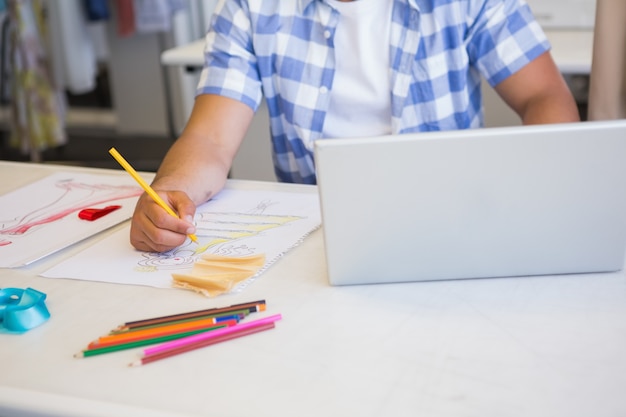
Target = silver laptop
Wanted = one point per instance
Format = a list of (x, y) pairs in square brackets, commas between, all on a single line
[(497, 202)]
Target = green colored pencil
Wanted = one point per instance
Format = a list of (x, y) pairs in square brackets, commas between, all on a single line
[(130, 345)]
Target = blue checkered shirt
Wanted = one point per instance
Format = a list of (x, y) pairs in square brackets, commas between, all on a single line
[(283, 50)]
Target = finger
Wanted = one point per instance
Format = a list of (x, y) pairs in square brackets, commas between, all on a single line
[(153, 239), (154, 229), (184, 206), (162, 229)]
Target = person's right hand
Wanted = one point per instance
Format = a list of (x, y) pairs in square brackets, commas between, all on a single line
[(153, 229)]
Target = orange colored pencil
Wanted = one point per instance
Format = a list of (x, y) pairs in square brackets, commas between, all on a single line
[(160, 331)]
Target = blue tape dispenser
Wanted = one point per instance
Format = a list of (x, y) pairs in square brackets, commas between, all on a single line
[(22, 309)]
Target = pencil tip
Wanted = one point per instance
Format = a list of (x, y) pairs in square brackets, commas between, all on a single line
[(79, 355), (134, 363)]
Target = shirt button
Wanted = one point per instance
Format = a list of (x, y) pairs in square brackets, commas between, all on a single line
[(327, 34), (323, 89)]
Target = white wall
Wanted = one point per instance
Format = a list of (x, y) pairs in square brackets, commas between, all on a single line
[(137, 89), (564, 14)]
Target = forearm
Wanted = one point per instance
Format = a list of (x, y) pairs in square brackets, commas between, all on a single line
[(199, 161), (194, 166)]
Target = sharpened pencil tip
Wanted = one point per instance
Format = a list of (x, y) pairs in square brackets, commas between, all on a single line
[(79, 355), (134, 363)]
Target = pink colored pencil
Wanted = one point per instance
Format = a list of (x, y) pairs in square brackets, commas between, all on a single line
[(202, 343), (209, 335)]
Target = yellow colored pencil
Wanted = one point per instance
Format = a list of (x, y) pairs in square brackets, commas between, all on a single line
[(119, 158)]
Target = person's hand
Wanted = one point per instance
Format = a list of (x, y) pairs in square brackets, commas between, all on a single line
[(155, 230)]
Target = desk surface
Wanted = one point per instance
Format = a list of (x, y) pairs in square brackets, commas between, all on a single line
[(543, 346), (571, 49)]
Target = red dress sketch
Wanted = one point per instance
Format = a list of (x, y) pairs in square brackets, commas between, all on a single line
[(75, 196)]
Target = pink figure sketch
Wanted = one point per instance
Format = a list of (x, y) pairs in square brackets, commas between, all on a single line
[(75, 197)]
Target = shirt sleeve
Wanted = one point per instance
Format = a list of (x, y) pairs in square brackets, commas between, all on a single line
[(503, 38), (230, 66)]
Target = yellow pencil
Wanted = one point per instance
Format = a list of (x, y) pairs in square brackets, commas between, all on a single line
[(119, 158)]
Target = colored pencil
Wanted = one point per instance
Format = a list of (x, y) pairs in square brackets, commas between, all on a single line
[(130, 345), (205, 336), (234, 315), (251, 306), (209, 324), (157, 199), (203, 343)]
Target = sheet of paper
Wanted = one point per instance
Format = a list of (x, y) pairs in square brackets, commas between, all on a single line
[(234, 223), (42, 217)]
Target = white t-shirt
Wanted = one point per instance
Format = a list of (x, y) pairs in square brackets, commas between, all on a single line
[(360, 101)]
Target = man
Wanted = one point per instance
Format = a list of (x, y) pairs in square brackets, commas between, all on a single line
[(330, 68)]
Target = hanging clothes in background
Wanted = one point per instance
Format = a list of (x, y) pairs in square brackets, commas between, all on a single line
[(146, 16), (155, 15), (37, 107), (97, 10), (125, 17), (5, 61), (73, 54)]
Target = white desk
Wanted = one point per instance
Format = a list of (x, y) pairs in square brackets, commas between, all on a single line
[(550, 346), (571, 49)]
